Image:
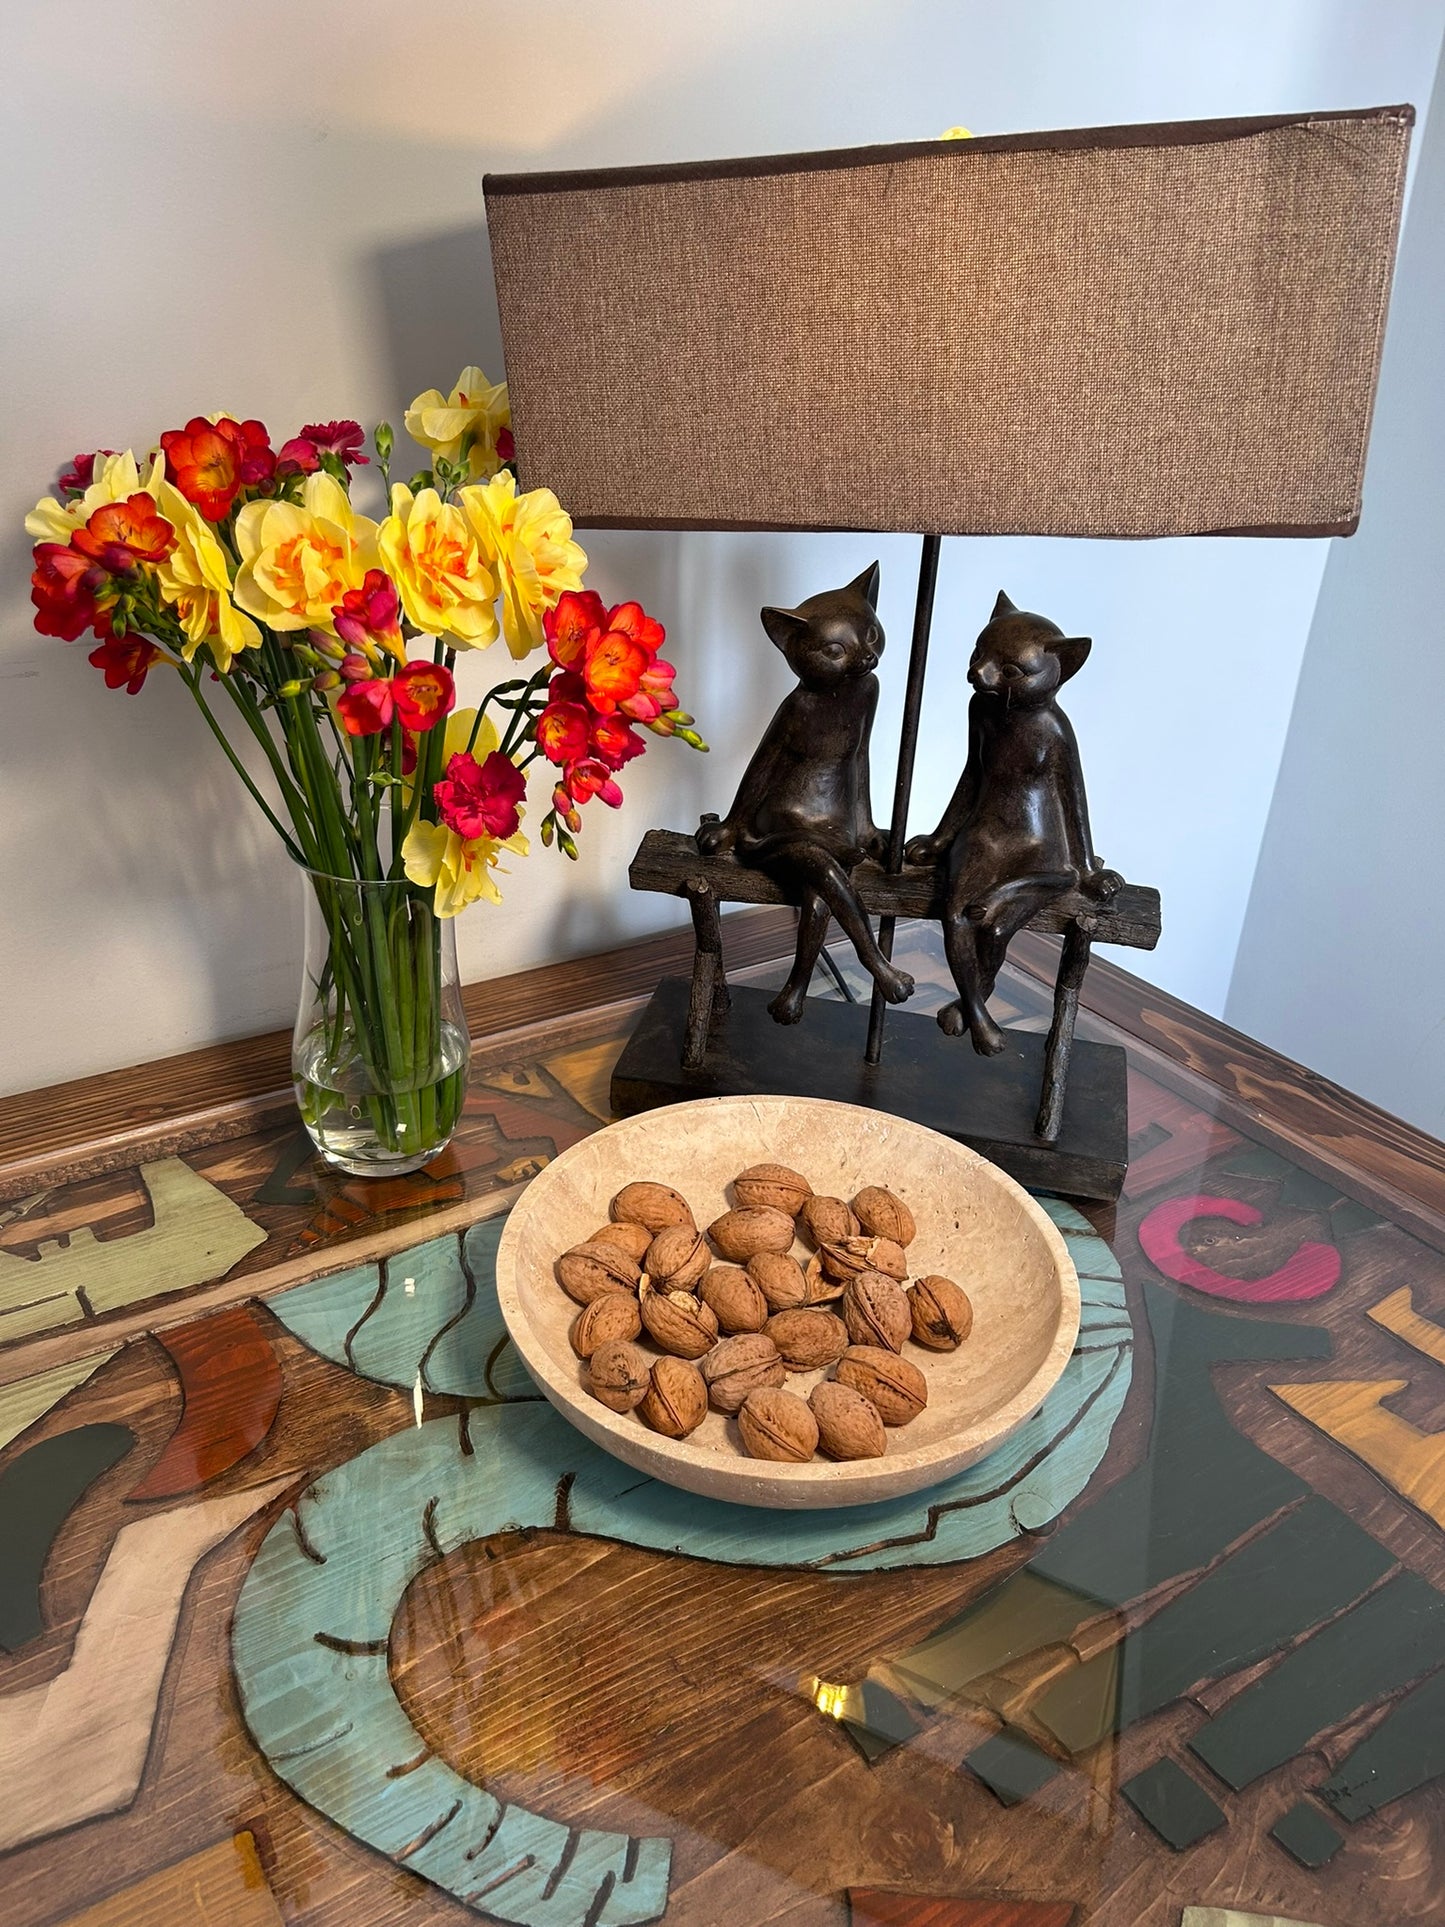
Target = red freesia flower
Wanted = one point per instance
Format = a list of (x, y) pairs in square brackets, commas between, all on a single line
[(562, 730), (506, 447), (370, 614), (481, 799), (126, 660), (418, 697), (70, 592), (423, 693), (366, 708), (76, 479), (615, 653), (211, 462), (579, 616), (591, 777), (119, 535), (302, 454), (614, 741)]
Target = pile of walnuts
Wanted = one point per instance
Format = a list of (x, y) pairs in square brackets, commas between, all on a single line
[(729, 1333)]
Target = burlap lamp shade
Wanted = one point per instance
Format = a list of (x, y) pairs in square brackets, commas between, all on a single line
[(1129, 331)]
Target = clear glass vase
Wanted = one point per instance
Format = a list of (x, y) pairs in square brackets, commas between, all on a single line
[(380, 1055)]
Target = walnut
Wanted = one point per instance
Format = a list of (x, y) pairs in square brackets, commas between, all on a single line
[(875, 1309), (734, 1299), (779, 1278), (895, 1385), (679, 1323), (808, 1339), (849, 1426), (828, 1221), (586, 1271), (741, 1234), (773, 1185), (882, 1215), (739, 1366), (777, 1425), (612, 1316), (675, 1402), (847, 1258), (822, 1290), (677, 1258), (652, 1205), (619, 1374), (631, 1238), (941, 1313)]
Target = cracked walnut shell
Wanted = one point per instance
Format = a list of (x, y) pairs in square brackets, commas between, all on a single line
[(678, 1322)]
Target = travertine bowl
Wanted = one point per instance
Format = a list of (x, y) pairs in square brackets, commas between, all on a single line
[(975, 1225)]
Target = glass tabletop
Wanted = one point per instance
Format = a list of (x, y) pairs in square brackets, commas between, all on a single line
[(312, 1610)]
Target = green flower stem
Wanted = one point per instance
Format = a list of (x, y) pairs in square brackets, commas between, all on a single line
[(192, 682)]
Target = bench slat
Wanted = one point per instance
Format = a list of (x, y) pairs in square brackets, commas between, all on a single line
[(667, 860)]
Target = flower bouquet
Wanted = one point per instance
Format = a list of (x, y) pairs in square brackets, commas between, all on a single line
[(246, 570)]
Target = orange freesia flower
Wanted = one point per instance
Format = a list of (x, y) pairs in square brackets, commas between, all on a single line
[(211, 462), (126, 660), (121, 534), (423, 693)]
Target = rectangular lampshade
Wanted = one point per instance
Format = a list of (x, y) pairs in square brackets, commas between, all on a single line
[(1124, 331)]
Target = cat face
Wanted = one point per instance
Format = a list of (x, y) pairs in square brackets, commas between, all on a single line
[(1023, 658), (833, 638)]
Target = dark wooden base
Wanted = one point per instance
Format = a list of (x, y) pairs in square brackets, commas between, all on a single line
[(987, 1102)]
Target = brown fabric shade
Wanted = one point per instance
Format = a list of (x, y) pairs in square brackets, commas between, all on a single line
[(1131, 331)]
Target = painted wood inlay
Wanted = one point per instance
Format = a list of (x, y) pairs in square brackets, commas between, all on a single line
[(324, 1711), (1174, 1804), (28, 1399), (231, 1391), (1310, 1273), (76, 1746), (1352, 1413), (197, 1234), (38, 1492), (1397, 1314), (222, 1886), (1232, 1917), (1406, 1750), (869, 1908)]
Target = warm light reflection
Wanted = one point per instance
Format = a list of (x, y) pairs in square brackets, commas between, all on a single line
[(834, 1702)]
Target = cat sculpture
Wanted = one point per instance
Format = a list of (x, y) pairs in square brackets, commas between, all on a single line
[(802, 813), (1015, 836)]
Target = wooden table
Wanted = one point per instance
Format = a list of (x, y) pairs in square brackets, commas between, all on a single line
[(310, 1611)]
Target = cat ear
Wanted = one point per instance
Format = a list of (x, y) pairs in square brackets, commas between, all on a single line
[(867, 585), (1072, 652), (1003, 607), (784, 626)]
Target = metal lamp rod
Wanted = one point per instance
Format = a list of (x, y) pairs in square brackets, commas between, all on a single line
[(907, 750)]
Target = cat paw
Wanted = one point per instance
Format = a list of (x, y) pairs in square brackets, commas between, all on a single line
[(715, 839), (787, 1006), (896, 985), (950, 1020), (1104, 885), (874, 843), (988, 1039)]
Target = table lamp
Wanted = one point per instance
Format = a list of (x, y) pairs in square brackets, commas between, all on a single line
[(1112, 332)]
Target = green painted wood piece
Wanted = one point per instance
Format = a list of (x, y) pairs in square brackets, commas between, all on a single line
[(1305, 1833), (38, 1492), (1374, 1649), (1405, 1750), (1011, 1767), (1175, 1805)]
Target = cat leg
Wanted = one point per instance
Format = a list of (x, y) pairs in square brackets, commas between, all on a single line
[(787, 1006), (805, 868), (1010, 907), (970, 1012)]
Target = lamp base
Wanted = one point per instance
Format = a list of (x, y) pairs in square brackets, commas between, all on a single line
[(989, 1103)]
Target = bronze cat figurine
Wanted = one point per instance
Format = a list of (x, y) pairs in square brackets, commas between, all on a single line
[(803, 813), (1015, 835)]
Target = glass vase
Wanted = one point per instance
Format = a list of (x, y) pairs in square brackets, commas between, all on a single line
[(380, 1054)]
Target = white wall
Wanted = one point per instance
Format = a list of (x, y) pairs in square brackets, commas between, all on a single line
[(1340, 958), (275, 208)]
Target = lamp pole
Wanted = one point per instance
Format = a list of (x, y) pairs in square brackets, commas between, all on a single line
[(907, 750)]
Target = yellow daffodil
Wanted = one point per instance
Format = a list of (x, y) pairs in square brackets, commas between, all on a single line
[(298, 559), (116, 478), (527, 539), (194, 578), (467, 422), (431, 554), (458, 869), (956, 134)]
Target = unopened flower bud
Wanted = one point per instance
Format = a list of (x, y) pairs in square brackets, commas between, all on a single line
[(564, 839), (419, 481), (292, 688), (384, 441), (326, 679), (548, 827)]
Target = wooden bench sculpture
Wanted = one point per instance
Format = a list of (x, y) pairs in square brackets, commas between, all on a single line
[(669, 861)]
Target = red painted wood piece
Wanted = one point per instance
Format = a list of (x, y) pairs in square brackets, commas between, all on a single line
[(231, 1386), (873, 1908), (1310, 1273)]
